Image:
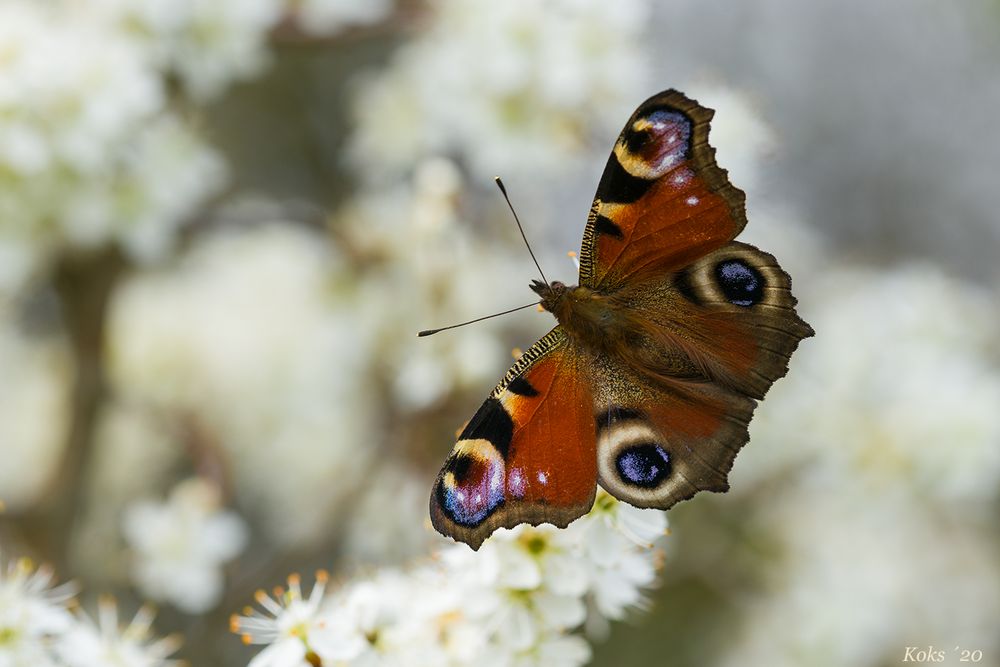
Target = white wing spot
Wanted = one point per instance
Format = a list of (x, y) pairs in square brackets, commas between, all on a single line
[(516, 483), (692, 200)]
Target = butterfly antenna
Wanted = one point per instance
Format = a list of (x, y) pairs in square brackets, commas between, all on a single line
[(430, 332), (519, 227)]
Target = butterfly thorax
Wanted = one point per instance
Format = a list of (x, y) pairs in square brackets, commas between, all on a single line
[(588, 316), (631, 326)]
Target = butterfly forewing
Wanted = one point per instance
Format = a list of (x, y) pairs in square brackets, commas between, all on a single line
[(528, 454), (662, 201)]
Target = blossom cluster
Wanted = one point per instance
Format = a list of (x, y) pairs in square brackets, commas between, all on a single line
[(41, 626), (885, 438), (515, 602), (94, 146), (90, 153), (503, 113)]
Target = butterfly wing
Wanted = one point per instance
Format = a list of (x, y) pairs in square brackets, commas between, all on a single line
[(673, 408), (528, 455), (712, 322), (662, 201), (660, 445)]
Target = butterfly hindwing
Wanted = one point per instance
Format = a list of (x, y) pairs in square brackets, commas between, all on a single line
[(662, 201), (739, 310), (672, 408), (528, 454), (660, 445)]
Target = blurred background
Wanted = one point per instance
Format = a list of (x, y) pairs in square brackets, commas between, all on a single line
[(222, 224)]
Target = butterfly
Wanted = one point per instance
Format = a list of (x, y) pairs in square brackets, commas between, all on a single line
[(661, 353)]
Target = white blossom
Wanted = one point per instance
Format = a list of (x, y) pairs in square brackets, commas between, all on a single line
[(181, 545), (860, 577), (887, 449), (288, 624), (325, 17), (33, 616), (208, 45), (890, 389), (416, 241), (106, 644), (529, 106), (88, 152), (255, 311), (517, 601), (618, 574)]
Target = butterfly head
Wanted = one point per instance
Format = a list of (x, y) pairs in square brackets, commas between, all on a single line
[(551, 293)]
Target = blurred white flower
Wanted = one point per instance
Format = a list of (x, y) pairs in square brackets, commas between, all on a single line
[(88, 153), (860, 578), (20, 262), (133, 450), (555, 69), (898, 390), (181, 545), (739, 134), (33, 615), (887, 448), (250, 336), (324, 17), (35, 409), (419, 245), (167, 173), (105, 644), (558, 651), (207, 45), (387, 523)]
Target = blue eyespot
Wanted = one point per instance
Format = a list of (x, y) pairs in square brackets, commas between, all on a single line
[(740, 283), (471, 489), (645, 465)]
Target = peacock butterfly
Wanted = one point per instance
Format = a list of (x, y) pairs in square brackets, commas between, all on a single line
[(648, 382)]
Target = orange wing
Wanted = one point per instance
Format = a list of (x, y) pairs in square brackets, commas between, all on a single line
[(529, 453), (662, 202)]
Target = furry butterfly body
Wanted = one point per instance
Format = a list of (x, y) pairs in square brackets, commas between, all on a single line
[(649, 380)]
